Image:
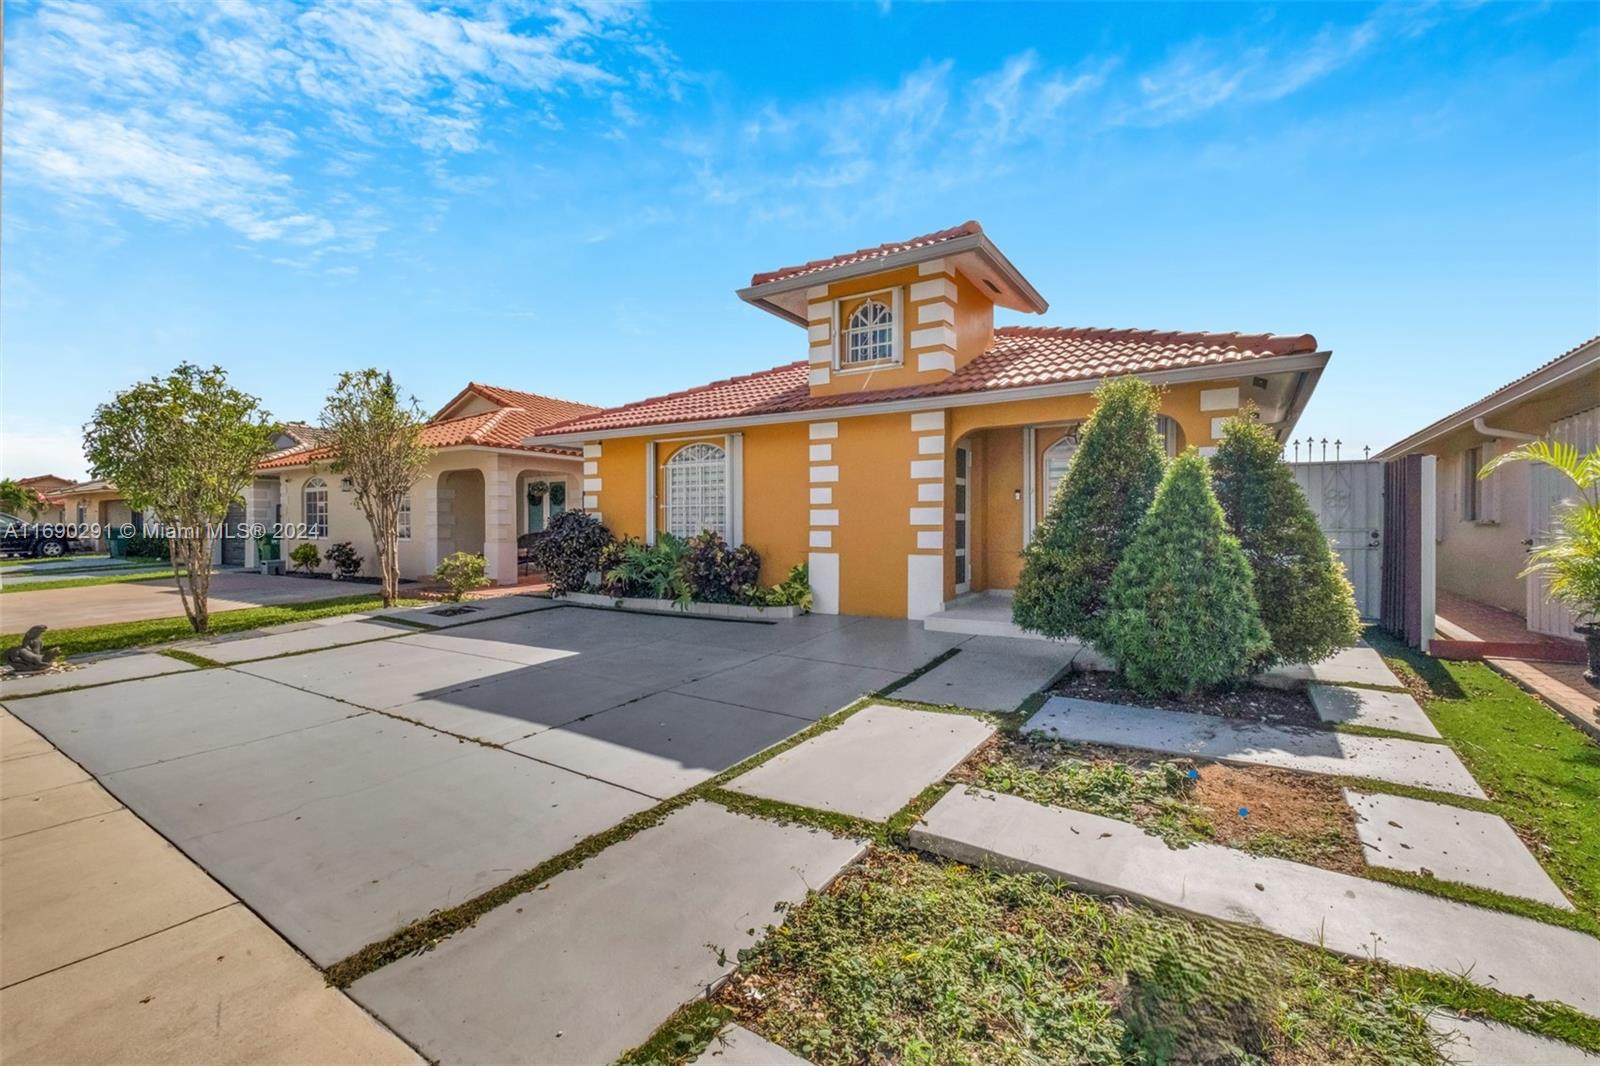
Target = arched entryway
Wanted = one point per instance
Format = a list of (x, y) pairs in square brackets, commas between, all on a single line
[(461, 512)]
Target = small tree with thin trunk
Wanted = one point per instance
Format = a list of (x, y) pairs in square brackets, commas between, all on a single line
[(376, 438), (1067, 567), (182, 448), (15, 499)]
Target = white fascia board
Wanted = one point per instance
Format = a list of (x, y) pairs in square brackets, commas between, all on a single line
[(1283, 364)]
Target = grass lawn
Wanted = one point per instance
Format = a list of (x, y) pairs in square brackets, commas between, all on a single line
[(19, 560), (1542, 774), (117, 635), (112, 577)]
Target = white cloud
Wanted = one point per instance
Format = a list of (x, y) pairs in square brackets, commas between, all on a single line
[(192, 111), (31, 446)]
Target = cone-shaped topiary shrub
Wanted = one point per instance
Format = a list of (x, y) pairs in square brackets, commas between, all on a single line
[(1067, 567), (1306, 600), (1181, 613)]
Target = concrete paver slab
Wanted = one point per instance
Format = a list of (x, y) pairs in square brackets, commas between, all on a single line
[(738, 1046), (1476, 1043), (991, 673), (299, 639), (659, 664), (342, 833), (481, 611), (17, 740), (1471, 847), (93, 672), (379, 675), (1360, 665), (221, 988), (662, 744), (879, 760), (81, 888), (170, 717), (55, 806), (1351, 915), (36, 773), (467, 642), (1371, 707), (589, 966), (804, 688), (881, 643), (519, 704), (1312, 751)]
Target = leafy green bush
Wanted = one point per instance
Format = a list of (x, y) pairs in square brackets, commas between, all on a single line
[(1181, 612), (346, 563), (569, 550), (461, 572), (306, 557), (1306, 601), (140, 546), (1067, 567), (650, 571), (792, 591), (715, 572)]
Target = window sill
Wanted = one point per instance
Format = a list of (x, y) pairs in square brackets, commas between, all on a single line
[(859, 368)]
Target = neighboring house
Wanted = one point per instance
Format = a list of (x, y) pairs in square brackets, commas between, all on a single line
[(49, 487), (909, 456), (96, 503), (478, 494), (1484, 527)]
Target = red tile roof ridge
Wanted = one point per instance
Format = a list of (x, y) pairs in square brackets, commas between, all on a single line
[(967, 228), (681, 393), (517, 397), (1270, 342)]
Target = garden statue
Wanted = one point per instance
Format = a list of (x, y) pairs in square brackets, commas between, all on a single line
[(31, 656)]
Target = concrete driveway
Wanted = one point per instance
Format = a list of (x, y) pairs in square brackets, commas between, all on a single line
[(340, 794), (132, 601)]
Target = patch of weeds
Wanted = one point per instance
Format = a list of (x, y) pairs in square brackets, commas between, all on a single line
[(899, 827), (910, 960), (191, 658), (1486, 898), (839, 825), (938, 660), (1554, 1020), (1315, 849), (682, 1037)]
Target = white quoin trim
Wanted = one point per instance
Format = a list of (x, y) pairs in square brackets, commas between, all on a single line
[(937, 289), (591, 484), (591, 451), (930, 539), (824, 573), (931, 445), (1220, 399), (819, 376), (936, 312), (820, 332), (821, 497), (823, 430), (821, 453), (825, 517), (927, 516), (650, 477), (926, 468), (933, 266), (591, 468), (926, 421), (824, 473), (591, 502), (924, 585), (930, 492), (938, 359), (822, 538)]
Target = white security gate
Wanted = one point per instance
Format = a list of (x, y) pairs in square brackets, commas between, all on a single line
[(1347, 498), (1547, 491)]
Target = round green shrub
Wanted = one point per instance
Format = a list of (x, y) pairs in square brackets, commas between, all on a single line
[(1182, 612), (1067, 567), (1306, 600)]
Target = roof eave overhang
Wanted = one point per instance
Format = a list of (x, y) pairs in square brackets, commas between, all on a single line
[(531, 452), (1029, 299), (1305, 362), (1578, 362)]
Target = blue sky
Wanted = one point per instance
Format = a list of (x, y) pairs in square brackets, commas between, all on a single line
[(564, 198)]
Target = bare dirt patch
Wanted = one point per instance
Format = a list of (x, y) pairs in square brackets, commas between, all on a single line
[(1249, 703)]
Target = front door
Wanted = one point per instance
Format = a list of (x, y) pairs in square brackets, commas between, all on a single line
[(543, 508), (962, 549)]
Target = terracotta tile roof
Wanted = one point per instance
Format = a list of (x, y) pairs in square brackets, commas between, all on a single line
[(521, 415), (1020, 356), (862, 255)]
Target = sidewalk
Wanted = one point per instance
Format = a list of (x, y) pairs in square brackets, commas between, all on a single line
[(119, 949)]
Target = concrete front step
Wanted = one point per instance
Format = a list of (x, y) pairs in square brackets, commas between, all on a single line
[(1345, 914)]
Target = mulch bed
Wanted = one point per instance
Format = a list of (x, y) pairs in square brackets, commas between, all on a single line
[(1250, 703)]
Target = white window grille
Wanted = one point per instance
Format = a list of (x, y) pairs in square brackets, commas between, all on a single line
[(869, 335), (1168, 428), (697, 490), (1471, 487), (403, 518), (316, 498), (1057, 458)]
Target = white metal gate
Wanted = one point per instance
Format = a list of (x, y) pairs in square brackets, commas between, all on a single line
[(1547, 491), (1347, 498)]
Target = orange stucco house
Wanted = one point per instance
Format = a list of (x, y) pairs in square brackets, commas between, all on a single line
[(909, 455)]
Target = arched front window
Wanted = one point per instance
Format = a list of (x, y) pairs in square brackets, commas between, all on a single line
[(697, 490), (316, 511), (1057, 458), (869, 335), (1169, 434)]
